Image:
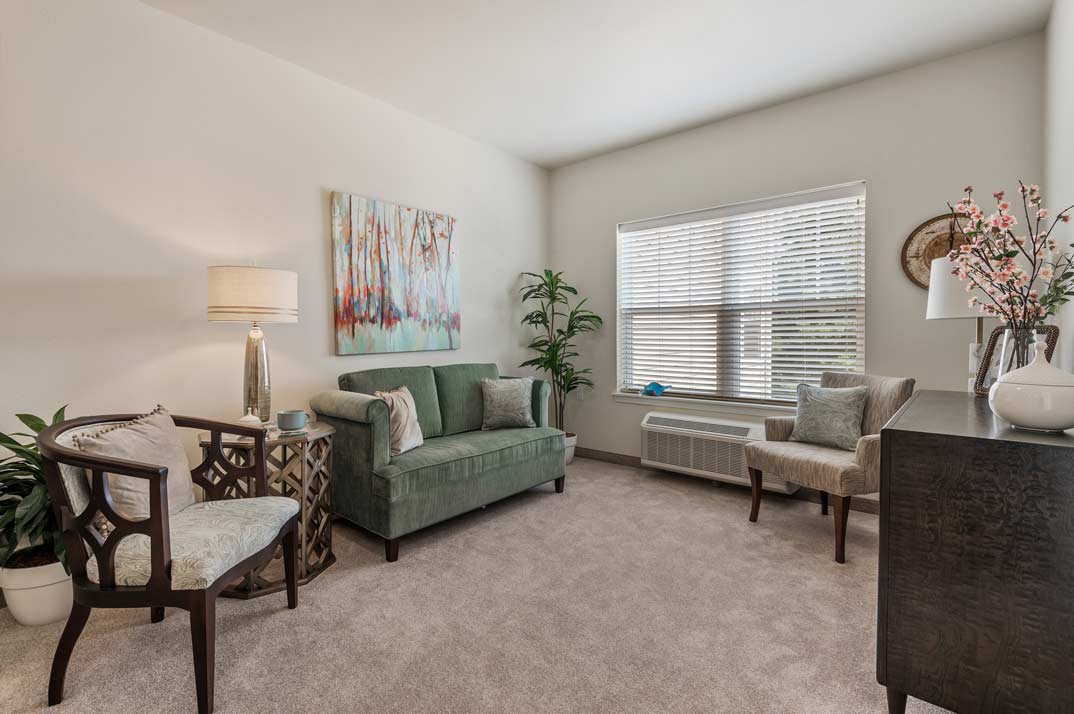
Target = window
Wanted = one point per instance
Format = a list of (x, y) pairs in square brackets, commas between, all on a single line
[(744, 302)]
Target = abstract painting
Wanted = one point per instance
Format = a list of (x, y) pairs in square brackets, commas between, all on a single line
[(396, 277)]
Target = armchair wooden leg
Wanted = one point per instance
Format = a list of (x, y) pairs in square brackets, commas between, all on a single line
[(823, 503), (755, 483), (391, 549), (560, 482), (290, 564), (76, 622), (896, 702), (156, 614), (842, 511), (203, 638)]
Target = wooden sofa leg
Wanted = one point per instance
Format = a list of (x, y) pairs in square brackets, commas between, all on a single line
[(842, 511), (156, 614), (560, 483), (391, 549), (203, 638), (76, 621), (823, 503), (755, 483)]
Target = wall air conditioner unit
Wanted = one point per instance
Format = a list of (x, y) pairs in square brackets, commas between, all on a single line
[(702, 446)]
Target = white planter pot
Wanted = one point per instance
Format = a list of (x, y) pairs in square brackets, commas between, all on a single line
[(37, 596), (1037, 396), (570, 441)]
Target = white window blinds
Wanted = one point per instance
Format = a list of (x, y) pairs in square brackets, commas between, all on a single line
[(744, 302)]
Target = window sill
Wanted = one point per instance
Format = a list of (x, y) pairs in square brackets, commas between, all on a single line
[(705, 405)]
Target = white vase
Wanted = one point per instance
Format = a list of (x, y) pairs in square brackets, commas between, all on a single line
[(1038, 396), (39, 595), (570, 441)]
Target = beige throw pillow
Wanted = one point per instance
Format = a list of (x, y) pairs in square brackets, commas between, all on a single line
[(151, 439), (405, 434)]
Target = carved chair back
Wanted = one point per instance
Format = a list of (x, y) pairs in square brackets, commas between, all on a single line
[(78, 487)]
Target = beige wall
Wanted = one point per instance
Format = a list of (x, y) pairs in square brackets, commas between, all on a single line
[(136, 149), (916, 136), (1059, 142)]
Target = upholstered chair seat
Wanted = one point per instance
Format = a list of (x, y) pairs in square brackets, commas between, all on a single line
[(820, 467), (208, 539), (836, 472)]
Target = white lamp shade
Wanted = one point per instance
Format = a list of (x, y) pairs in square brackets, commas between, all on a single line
[(247, 294), (947, 294)]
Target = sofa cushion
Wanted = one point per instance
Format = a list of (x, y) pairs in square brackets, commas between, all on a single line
[(462, 456), (459, 389), (507, 403), (404, 433), (420, 382)]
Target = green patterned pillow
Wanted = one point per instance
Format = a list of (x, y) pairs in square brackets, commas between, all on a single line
[(830, 416), (508, 403)]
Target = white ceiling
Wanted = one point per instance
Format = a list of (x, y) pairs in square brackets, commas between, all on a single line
[(553, 81)]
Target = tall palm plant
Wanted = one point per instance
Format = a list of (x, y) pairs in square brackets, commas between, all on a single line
[(558, 323)]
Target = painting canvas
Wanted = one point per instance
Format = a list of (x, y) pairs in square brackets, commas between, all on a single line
[(396, 277)]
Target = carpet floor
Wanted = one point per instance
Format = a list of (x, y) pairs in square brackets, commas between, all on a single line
[(634, 591)]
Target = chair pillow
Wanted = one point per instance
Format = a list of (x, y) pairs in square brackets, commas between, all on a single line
[(403, 430), (830, 416), (508, 403), (153, 439)]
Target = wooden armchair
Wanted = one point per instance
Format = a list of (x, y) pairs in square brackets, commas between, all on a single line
[(169, 559), (835, 472)]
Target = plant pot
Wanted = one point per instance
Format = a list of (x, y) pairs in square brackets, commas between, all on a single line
[(570, 441), (37, 595)]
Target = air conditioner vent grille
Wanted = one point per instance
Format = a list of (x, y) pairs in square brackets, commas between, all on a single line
[(709, 448), (720, 457), (705, 426)]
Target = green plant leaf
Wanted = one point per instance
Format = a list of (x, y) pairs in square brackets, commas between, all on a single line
[(59, 415), (37, 499), (35, 424)]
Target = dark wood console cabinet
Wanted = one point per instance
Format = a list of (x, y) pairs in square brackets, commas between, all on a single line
[(976, 602)]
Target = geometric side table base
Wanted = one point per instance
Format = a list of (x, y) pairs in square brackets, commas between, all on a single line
[(298, 466)]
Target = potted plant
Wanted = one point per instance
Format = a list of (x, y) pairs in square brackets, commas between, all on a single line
[(1023, 279), (558, 324), (33, 564)]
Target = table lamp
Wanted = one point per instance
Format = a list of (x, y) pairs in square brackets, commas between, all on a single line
[(948, 300), (254, 295)]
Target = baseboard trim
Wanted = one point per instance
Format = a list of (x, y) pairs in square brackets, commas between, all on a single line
[(861, 505), (608, 456)]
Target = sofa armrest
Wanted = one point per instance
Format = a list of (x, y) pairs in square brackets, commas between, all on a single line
[(542, 392), (367, 412), (778, 428), (353, 406)]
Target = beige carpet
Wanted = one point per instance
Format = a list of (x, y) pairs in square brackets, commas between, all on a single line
[(634, 591)]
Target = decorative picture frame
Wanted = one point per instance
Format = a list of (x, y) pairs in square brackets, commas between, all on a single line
[(396, 277), (1051, 333)]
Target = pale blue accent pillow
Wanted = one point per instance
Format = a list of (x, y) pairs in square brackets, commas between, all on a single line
[(830, 416)]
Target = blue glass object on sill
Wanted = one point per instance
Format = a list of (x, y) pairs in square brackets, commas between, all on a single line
[(655, 389)]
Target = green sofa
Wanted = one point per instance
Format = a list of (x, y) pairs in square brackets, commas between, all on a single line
[(457, 469)]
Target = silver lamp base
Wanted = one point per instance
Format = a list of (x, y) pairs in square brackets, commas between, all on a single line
[(256, 389)]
